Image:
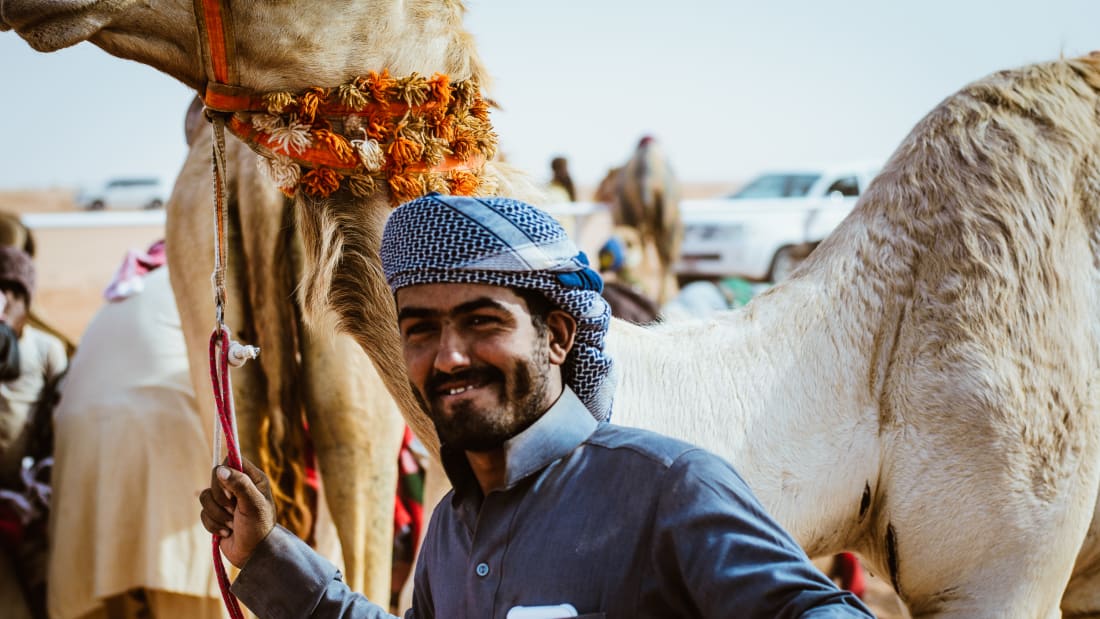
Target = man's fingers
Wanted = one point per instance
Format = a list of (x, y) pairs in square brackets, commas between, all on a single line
[(258, 477), (248, 496), (213, 516), (211, 508), (223, 498), (213, 526)]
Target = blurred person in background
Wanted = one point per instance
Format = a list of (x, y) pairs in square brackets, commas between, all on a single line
[(30, 359), (561, 183), (131, 451), (626, 299)]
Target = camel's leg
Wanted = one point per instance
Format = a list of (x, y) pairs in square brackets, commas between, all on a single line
[(190, 250), (356, 430), (258, 310)]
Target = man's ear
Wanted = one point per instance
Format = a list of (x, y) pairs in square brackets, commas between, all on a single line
[(562, 329)]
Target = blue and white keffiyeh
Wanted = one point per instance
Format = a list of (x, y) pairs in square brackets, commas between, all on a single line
[(504, 242)]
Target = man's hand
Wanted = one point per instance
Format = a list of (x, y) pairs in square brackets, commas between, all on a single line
[(238, 507)]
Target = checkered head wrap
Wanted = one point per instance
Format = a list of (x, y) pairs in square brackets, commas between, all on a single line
[(503, 242)]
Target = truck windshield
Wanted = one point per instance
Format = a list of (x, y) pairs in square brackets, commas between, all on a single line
[(777, 186)]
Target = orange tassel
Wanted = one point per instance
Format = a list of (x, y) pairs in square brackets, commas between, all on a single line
[(463, 182), (320, 182), (405, 187), (308, 104), (479, 109), (403, 152), (379, 85), (440, 88), (377, 125), (416, 122), (337, 144)]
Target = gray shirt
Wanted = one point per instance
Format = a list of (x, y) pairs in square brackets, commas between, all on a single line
[(615, 521)]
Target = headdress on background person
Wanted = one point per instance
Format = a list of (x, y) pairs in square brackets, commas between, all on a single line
[(16, 266), (612, 256), (505, 242), (128, 279)]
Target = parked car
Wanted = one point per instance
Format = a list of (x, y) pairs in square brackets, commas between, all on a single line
[(128, 193), (763, 230)]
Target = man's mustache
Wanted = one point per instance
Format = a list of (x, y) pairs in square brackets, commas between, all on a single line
[(478, 376)]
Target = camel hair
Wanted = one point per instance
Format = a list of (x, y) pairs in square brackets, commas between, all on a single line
[(937, 351)]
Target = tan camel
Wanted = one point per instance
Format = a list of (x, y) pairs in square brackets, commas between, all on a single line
[(923, 390), (645, 195), (353, 423)]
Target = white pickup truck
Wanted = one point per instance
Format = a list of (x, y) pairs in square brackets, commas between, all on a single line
[(764, 229)]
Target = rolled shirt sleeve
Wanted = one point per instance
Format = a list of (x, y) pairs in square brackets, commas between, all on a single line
[(727, 557)]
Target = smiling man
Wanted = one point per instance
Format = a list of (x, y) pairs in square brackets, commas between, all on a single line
[(554, 512)]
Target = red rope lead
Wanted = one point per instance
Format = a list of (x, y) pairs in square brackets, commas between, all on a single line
[(223, 401)]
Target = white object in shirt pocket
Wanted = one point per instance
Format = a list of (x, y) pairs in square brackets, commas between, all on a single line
[(542, 612)]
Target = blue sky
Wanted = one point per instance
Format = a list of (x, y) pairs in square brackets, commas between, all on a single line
[(730, 87)]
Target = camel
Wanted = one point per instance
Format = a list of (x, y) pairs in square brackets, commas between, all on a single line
[(938, 344), (944, 339), (354, 425), (644, 194)]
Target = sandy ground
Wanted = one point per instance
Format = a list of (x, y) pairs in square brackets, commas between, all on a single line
[(76, 264)]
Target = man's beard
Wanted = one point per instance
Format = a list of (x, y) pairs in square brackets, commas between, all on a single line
[(471, 429)]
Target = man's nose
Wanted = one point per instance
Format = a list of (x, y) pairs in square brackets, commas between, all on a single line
[(453, 352)]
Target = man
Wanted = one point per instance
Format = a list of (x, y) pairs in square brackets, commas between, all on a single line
[(553, 512), (29, 359), (32, 358), (127, 390)]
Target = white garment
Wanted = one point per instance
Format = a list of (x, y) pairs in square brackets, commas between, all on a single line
[(131, 459), (41, 359)]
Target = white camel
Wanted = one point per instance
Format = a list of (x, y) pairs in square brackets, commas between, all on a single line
[(923, 392)]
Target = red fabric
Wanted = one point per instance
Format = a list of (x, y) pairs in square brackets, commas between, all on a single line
[(851, 574), (11, 529), (408, 508), (215, 39), (127, 280)]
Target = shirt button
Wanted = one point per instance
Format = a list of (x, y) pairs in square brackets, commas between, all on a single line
[(482, 569)]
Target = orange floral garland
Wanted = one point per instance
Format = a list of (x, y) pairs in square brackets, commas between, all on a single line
[(412, 134)]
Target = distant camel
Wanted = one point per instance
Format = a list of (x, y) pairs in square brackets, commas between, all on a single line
[(644, 194)]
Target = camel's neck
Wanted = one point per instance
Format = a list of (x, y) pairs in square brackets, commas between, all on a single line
[(287, 46), (780, 388)]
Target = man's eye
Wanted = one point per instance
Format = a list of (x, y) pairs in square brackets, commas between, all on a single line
[(419, 328), (478, 321)]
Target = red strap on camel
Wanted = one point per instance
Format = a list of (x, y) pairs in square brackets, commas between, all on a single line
[(215, 46)]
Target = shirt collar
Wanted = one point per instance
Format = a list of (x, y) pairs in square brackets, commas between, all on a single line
[(559, 431)]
